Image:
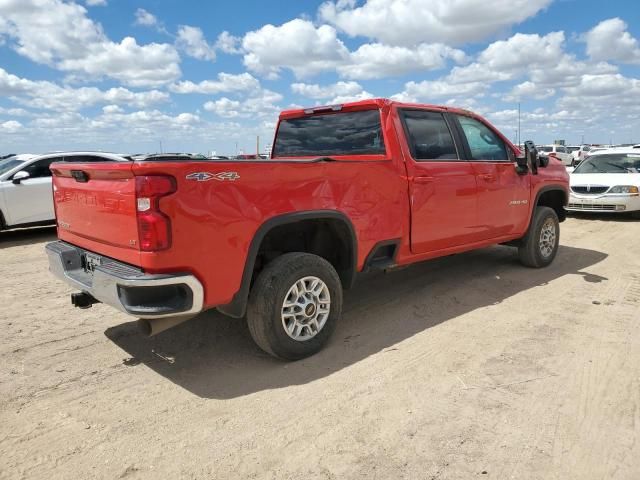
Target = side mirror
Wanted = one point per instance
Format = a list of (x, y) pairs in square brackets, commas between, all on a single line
[(528, 160), (521, 163), (18, 177)]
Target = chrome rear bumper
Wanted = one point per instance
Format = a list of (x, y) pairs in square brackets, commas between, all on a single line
[(124, 287)]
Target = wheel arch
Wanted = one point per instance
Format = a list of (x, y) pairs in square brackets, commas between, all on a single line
[(340, 227), (552, 196)]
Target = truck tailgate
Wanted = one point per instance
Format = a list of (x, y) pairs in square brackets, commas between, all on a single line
[(95, 207)]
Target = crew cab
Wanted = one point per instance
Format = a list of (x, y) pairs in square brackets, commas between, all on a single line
[(349, 188)]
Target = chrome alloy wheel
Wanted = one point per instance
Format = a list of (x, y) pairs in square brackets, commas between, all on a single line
[(306, 308), (547, 237)]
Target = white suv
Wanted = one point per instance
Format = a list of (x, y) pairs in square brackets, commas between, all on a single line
[(26, 196), (558, 151), (25, 191)]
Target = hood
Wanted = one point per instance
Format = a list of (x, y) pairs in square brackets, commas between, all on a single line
[(608, 179)]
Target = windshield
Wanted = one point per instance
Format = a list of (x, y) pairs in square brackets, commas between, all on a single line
[(545, 149), (351, 133), (9, 163), (610, 163)]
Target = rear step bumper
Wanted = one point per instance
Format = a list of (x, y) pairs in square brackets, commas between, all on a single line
[(124, 287)]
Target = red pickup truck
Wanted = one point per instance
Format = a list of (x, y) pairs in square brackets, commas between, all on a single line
[(350, 188)]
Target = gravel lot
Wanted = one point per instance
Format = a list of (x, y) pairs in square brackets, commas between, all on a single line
[(467, 366)]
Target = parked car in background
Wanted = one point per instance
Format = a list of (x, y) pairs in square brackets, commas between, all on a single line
[(25, 191), (596, 150), (26, 198), (578, 152), (558, 151), (607, 181)]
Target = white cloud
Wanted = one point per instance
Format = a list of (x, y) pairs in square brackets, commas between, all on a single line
[(318, 92), (48, 95), (191, 40), (505, 59), (308, 50), (132, 64), (427, 89), (60, 35), (411, 22), (96, 3), (226, 82), (145, 18), (378, 61), (224, 107), (15, 112), (228, 43), (529, 89), (339, 92), (260, 104), (108, 109), (297, 45), (541, 58), (364, 95), (10, 126), (610, 40), (609, 85)]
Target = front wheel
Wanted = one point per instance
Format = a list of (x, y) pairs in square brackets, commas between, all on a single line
[(294, 305), (540, 244)]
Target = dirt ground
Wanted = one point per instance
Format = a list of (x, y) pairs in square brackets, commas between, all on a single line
[(467, 366)]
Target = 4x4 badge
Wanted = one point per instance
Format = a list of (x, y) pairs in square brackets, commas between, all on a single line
[(205, 176)]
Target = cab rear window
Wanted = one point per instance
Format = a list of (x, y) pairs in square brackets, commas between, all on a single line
[(349, 133)]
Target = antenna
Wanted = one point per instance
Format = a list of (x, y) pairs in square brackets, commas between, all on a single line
[(518, 124)]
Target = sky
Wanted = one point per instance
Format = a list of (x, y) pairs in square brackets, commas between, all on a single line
[(194, 76)]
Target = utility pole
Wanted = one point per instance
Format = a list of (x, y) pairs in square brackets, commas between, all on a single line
[(518, 124), (258, 146), (582, 143), (161, 147), (236, 149)]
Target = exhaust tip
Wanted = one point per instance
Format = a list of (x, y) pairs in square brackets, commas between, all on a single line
[(83, 300), (144, 327), (151, 327)]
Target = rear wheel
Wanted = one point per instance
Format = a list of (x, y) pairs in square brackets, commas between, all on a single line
[(540, 244), (294, 305)]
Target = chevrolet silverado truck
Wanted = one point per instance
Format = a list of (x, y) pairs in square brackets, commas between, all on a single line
[(351, 188)]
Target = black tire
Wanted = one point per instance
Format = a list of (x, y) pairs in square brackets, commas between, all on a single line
[(533, 252), (267, 296)]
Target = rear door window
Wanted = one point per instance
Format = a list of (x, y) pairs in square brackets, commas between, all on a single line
[(349, 133), (428, 135), (484, 143)]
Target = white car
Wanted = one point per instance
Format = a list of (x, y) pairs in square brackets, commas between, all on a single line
[(578, 152), (607, 181), (558, 151), (26, 198)]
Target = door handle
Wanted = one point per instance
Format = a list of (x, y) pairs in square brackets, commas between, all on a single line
[(488, 177)]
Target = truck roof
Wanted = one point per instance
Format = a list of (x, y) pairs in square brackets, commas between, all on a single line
[(368, 104)]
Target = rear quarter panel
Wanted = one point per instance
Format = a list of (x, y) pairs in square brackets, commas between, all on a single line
[(214, 221)]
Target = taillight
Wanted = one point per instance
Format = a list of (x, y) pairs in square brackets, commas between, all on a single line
[(154, 227)]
